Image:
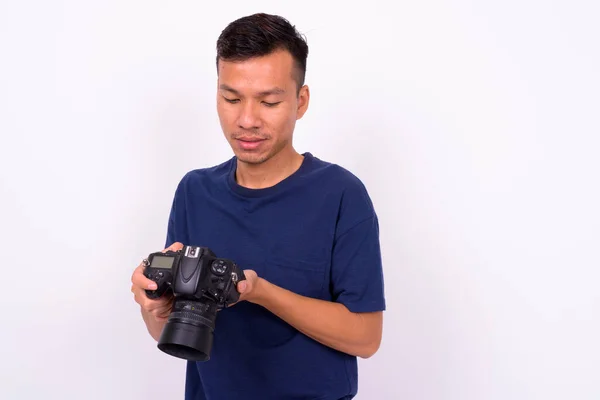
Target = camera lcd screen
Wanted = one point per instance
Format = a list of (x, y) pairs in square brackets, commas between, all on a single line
[(162, 262)]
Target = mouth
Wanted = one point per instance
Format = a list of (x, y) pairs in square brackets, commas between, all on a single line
[(249, 138), (249, 143)]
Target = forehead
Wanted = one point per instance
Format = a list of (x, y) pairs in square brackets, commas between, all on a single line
[(258, 73)]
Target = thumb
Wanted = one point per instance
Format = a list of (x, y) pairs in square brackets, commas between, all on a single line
[(241, 286)]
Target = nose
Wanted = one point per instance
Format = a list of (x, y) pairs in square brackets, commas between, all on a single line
[(249, 117)]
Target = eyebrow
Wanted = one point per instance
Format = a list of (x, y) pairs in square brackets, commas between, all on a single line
[(275, 90)]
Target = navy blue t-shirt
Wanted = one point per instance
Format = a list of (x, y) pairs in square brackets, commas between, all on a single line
[(315, 233)]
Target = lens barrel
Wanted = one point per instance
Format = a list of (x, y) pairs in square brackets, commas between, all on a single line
[(188, 333)]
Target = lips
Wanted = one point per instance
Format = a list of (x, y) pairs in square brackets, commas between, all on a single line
[(249, 143)]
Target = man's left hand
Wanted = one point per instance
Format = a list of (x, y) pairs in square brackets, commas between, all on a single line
[(248, 288)]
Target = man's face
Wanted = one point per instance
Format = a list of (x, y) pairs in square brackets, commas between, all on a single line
[(258, 105)]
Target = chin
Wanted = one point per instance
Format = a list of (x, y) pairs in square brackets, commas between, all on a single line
[(252, 158), (257, 156)]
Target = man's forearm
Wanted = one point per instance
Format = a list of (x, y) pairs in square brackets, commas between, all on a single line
[(154, 326), (329, 323)]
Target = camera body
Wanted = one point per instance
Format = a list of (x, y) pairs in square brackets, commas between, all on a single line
[(201, 284)]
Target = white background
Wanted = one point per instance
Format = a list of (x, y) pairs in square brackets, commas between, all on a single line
[(475, 126)]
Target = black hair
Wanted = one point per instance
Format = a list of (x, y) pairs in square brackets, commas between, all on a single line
[(259, 35)]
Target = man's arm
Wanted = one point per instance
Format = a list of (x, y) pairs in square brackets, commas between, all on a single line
[(329, 323)]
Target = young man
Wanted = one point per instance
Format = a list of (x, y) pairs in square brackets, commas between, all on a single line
[(304, 231)]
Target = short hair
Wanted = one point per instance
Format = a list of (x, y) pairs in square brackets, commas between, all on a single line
[(262, 34)]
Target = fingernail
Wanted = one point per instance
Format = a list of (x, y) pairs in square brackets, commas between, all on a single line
[(242, 286), (152, 286)]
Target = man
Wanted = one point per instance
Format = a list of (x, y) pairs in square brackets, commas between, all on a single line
[(304, 231)]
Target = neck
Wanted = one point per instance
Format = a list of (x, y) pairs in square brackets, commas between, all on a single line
[(270, 172)]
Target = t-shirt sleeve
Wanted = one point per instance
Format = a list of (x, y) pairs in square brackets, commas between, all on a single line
[(357, 270)]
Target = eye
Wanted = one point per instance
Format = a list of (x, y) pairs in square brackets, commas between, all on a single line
[(271, 104), (232, 101)]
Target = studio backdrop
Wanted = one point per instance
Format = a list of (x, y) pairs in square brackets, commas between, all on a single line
[(474, 126)]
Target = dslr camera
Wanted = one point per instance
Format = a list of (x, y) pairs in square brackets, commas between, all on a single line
[(201, 284)]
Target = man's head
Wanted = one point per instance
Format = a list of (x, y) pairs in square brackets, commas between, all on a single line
[(261, 65)]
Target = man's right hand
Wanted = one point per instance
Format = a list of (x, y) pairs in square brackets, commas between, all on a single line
[(159, 308)]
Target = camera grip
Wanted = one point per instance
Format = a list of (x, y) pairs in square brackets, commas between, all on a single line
[(154, 294), (161, 280)]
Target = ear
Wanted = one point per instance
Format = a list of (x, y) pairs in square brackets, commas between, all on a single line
[(303, 98)]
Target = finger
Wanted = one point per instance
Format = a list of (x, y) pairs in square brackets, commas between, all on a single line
[(242, 286), (162, 313), (161, 318), (139, 279), (150, 305), (174, 247)]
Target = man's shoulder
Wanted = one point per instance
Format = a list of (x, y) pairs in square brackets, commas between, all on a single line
[(213, 172), (355, 203), (338, 175), (335, 176)]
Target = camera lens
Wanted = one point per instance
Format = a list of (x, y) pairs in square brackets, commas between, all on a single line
[(188, 333)]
